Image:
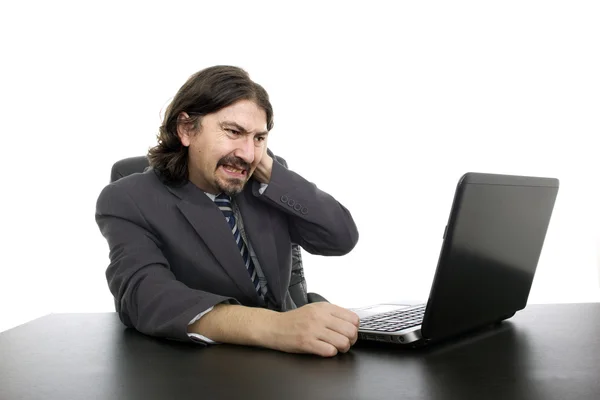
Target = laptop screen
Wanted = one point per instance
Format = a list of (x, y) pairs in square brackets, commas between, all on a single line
[(490, 253)]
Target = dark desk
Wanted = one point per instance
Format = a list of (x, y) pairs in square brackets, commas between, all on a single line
[(543, 352)]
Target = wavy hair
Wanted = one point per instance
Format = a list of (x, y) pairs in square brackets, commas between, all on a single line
[(205, 92)]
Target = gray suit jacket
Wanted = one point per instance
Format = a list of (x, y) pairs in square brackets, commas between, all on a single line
[(172, 254)]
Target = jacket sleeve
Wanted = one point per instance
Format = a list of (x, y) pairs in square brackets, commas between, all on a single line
[(317, 221), (147, 295)]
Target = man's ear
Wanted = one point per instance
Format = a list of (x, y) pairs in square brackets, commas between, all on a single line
[(183, 128)]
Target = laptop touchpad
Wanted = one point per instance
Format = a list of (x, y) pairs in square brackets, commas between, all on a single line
[(364, 312)]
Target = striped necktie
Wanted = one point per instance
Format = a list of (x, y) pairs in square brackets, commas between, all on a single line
[(224, 203)]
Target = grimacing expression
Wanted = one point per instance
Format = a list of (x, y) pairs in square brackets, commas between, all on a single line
[(226, 148)]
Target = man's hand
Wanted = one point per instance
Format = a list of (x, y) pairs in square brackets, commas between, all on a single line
[(262, 173), (318, 328)]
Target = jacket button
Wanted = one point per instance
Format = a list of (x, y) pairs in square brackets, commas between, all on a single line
[(298, 207), (284, 199), (291, 202), (304, 211)]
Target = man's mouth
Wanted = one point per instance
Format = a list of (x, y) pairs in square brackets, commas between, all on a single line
[(234, 171)]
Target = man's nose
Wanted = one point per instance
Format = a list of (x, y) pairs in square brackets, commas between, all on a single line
[(245, 149)]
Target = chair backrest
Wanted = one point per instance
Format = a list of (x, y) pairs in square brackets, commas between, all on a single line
[(297, 287), (128, 166)]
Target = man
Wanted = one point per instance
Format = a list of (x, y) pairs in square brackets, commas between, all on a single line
[(201, 243)]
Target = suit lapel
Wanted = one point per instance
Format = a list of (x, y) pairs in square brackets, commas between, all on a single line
[(208, 221), (257, 224)]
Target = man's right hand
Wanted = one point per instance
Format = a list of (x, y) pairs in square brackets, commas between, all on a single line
[(318, 328)]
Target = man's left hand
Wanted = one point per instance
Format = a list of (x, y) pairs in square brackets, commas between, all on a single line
[(262, 173)]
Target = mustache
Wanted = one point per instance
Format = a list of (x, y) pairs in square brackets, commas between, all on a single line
[(235, 162)]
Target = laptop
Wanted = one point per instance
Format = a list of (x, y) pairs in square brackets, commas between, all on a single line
[(490, 250)]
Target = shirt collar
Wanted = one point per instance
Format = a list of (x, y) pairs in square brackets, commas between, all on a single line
[(211, 196)]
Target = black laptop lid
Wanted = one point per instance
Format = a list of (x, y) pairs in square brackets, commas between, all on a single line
[(490, 252)]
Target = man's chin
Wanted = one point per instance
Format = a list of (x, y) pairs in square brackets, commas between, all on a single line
[(231, 188)]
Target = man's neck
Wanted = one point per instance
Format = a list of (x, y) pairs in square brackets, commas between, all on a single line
[(202, 185)]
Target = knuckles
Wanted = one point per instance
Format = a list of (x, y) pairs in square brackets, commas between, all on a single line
[(307, 321)]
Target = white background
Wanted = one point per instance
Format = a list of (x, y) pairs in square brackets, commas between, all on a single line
[(383, 104)]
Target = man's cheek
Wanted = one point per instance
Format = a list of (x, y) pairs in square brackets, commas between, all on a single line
[(258, 157)]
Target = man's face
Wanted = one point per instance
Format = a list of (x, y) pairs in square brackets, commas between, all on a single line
[(227, 147)]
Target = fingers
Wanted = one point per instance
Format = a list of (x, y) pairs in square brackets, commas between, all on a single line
[(344, 328), (342, 343), (344, 322), (346, 315), (319, 328), (323, 349)]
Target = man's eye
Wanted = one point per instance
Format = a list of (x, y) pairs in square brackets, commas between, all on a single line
[(260, 138), (232, 131)]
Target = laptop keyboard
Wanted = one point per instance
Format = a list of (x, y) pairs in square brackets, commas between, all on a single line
[(393, 321)]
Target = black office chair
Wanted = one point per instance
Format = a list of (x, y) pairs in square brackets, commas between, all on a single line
[(297, 287)]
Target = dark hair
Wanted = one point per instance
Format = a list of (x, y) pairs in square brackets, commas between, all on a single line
[(205, 92)]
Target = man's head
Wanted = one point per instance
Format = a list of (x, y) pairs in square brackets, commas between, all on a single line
[(214, 131)]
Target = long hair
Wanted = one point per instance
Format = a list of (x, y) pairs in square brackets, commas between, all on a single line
[(205, 92)]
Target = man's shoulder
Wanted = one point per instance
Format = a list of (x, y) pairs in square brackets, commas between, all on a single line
[(138, 181), (138, 186)]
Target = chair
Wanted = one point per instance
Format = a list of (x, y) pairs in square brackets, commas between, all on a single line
[(297, 287)]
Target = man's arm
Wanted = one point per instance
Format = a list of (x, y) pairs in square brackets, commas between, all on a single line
[(148, 296), (319, 328), (318, 222)]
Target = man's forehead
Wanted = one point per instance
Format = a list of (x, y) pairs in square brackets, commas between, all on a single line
[(260, 129), (247, 121)]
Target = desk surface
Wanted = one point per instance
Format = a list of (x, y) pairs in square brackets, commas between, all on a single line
[(543, 352)]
